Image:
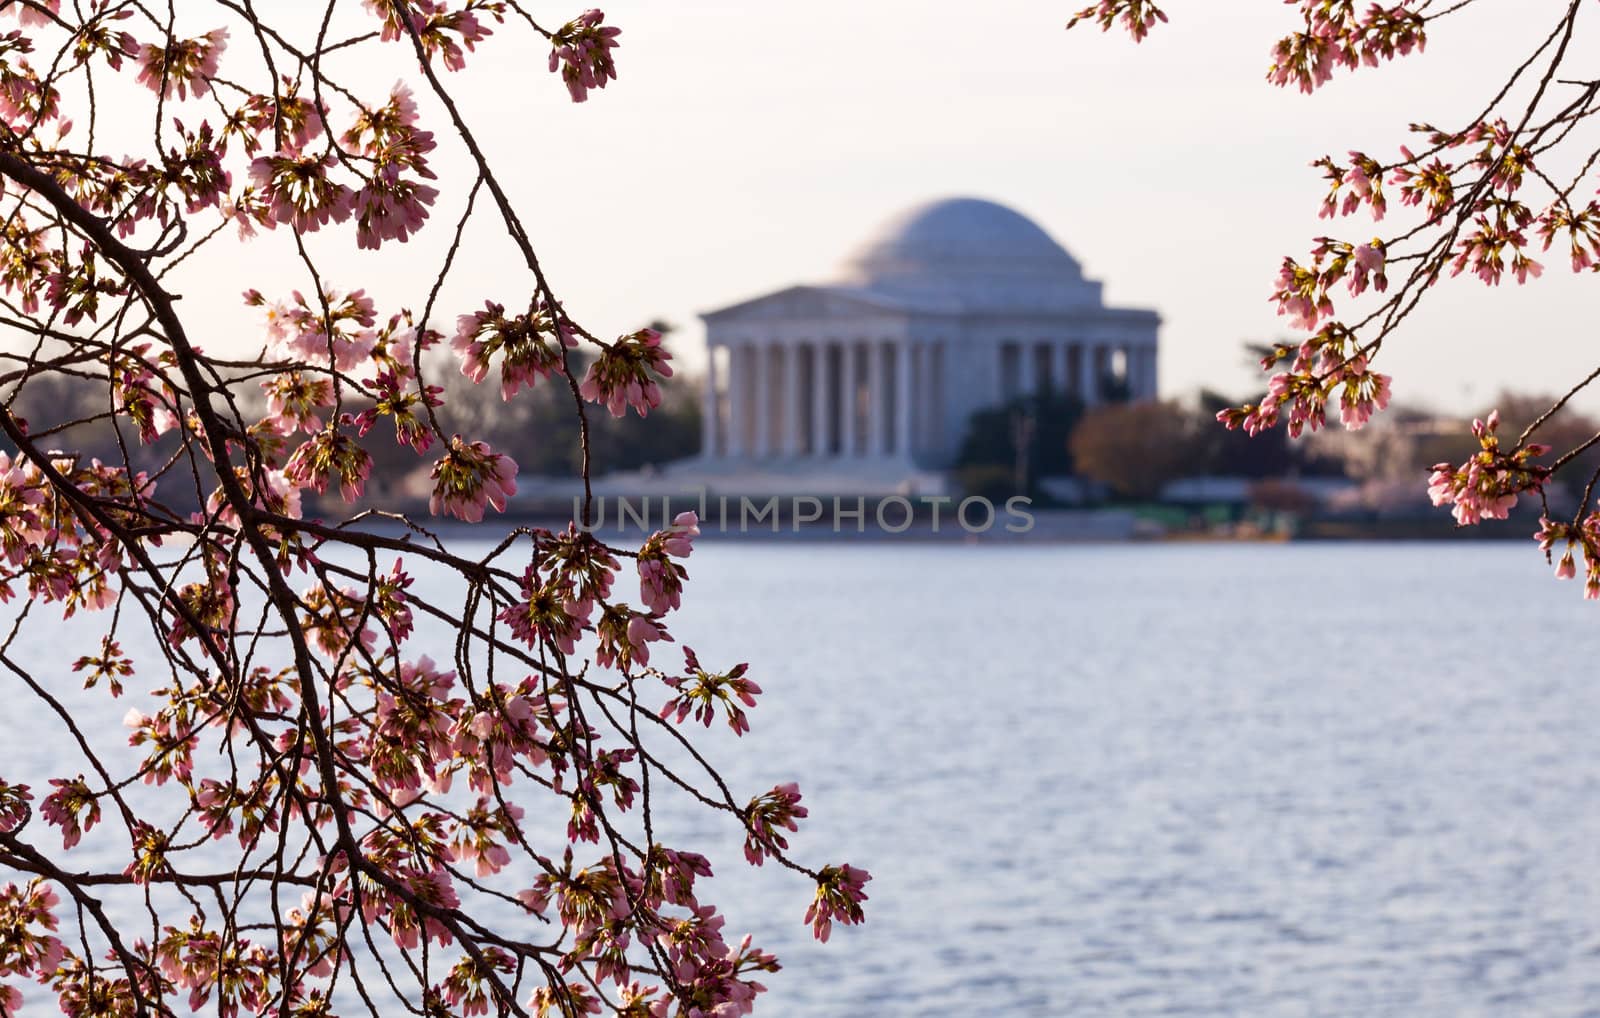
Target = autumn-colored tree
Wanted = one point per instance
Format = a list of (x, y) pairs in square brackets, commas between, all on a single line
[(1136, 448)]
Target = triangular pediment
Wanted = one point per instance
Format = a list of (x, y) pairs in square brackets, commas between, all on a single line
[(810, 302)]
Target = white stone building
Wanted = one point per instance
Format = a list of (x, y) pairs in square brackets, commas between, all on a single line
[(950, 307)]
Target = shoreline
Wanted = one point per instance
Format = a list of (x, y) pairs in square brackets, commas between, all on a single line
[(1043, 526)]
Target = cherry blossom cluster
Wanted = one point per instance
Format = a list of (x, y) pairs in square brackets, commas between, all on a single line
[(28, 942), (332, 328), (1486, 486), (394, 388), (110, 664), (702, 694), (405, 405), (1338, 34), (469, 476), (383, 156), (1302, 291), (1361, 183), (660, 578), (295, 401), (1137, 17), (444, 33), (1497, 231), (624, 375), (330, 456), (623, 637), (581, 52), (767, 815), (1326, 361), (550, 611), (1585, 535), (528, 347), (46, 545), (1582, 229), (182, 66), (390, 206), (1430, 184), (840, 892)]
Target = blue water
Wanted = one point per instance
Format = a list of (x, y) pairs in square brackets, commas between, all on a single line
[(1264, 780)]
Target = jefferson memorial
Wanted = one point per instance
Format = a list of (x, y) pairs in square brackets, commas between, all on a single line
[(864, 384)]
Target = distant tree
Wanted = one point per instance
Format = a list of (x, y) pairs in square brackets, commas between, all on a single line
[(1136, 448), (987, 480), (991, 440), (1114, 390)]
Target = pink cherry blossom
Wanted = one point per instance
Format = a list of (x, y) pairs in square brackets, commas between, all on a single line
[(581, 52), (524, 344), (1137, 17), (1364, 393), (468, 477), (840, 892), (702, 693), (293, 402), (184, 66), (298, 191), (326, 456), (1486, 486), (71, 807), (549, 612), (661, 579), (624, 637), (390, 207), (766, 815), (621, 376), (33, 14)]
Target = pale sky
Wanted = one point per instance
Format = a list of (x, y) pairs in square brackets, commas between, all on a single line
[(748, 146)]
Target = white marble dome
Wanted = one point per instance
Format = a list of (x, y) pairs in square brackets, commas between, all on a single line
[(977, 254)]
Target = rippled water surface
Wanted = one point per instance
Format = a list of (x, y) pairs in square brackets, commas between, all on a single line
[(1302, 780)]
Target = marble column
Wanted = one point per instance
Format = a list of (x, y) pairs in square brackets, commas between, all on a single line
[(919, 407), (849, 387), (710, 407), (877, 406), (903, 401), (793, 419), (1061, 367), (1027, 384), (738, 362), (1088, 384), (821, 382), (761, 403)]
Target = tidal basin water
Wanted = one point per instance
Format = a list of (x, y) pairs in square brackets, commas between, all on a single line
[(1274, 780)]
